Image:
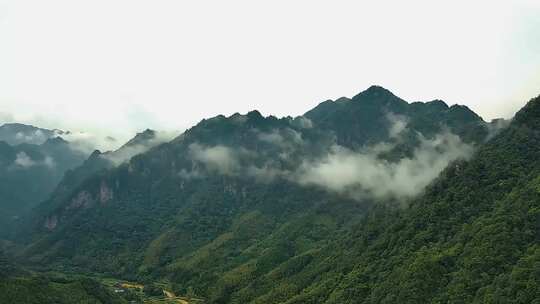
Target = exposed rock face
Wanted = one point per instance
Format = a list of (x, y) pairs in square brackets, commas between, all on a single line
[(82, 200), (105, 193), (51, 222)]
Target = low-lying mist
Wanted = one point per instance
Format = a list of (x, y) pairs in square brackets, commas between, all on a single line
[(361, 173), (365, 173)]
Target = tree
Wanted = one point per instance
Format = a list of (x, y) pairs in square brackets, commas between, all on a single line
[(152, 290)]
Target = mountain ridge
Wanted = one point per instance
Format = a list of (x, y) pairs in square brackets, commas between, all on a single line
[(233, 160), (254, 209)]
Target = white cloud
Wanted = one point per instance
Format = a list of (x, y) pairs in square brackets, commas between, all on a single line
[(366, 174), (272, 137), (87, 142), (497, 126), (219, 158), (49, 162), (36, 137), (286, 138), (398, 124), (23, 160), (303, 122), (125, 153)]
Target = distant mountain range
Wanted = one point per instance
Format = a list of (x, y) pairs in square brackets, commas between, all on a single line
[(16, 134), (369, 199), (33, 162), (29, 171)]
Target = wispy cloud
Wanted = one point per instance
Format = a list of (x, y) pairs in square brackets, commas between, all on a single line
[(88, 142), (24, 161), (361, 173), (126, 152), (366, 174), (221, 159)]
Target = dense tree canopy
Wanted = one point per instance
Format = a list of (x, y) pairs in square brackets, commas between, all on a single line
[(214, 229)]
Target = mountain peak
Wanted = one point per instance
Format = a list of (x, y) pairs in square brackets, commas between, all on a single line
[(141, 138), (254, 114), (465, 113), (55, 141), (377, 96), (147, 132), (438, 103), (94, 155), (530, 114), (377, 88), (375, 91)]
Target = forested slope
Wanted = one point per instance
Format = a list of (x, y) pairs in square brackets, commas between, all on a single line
[(20, 286), (241, 209), (474, 237), (29, 173)]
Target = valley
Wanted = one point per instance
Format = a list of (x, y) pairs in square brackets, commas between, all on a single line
[(369, 199), (168, 297), (269, 152)]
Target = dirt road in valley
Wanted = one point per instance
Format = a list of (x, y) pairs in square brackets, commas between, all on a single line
[(170, 295)]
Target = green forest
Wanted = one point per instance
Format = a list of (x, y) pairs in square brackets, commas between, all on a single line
[(236, 210)]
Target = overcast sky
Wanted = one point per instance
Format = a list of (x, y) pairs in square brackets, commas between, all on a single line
[(117, 67)]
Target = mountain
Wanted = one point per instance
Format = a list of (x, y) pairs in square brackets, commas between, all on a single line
[(30, 172), (363, 119), (473, 237), (253, 209), (37, 163), (16, 134), (96, 162)]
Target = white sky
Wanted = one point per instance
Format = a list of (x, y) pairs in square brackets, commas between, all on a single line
[(116, 67)]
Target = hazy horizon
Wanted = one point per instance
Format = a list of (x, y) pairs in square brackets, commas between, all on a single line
[(116, 68), (287, 152)]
